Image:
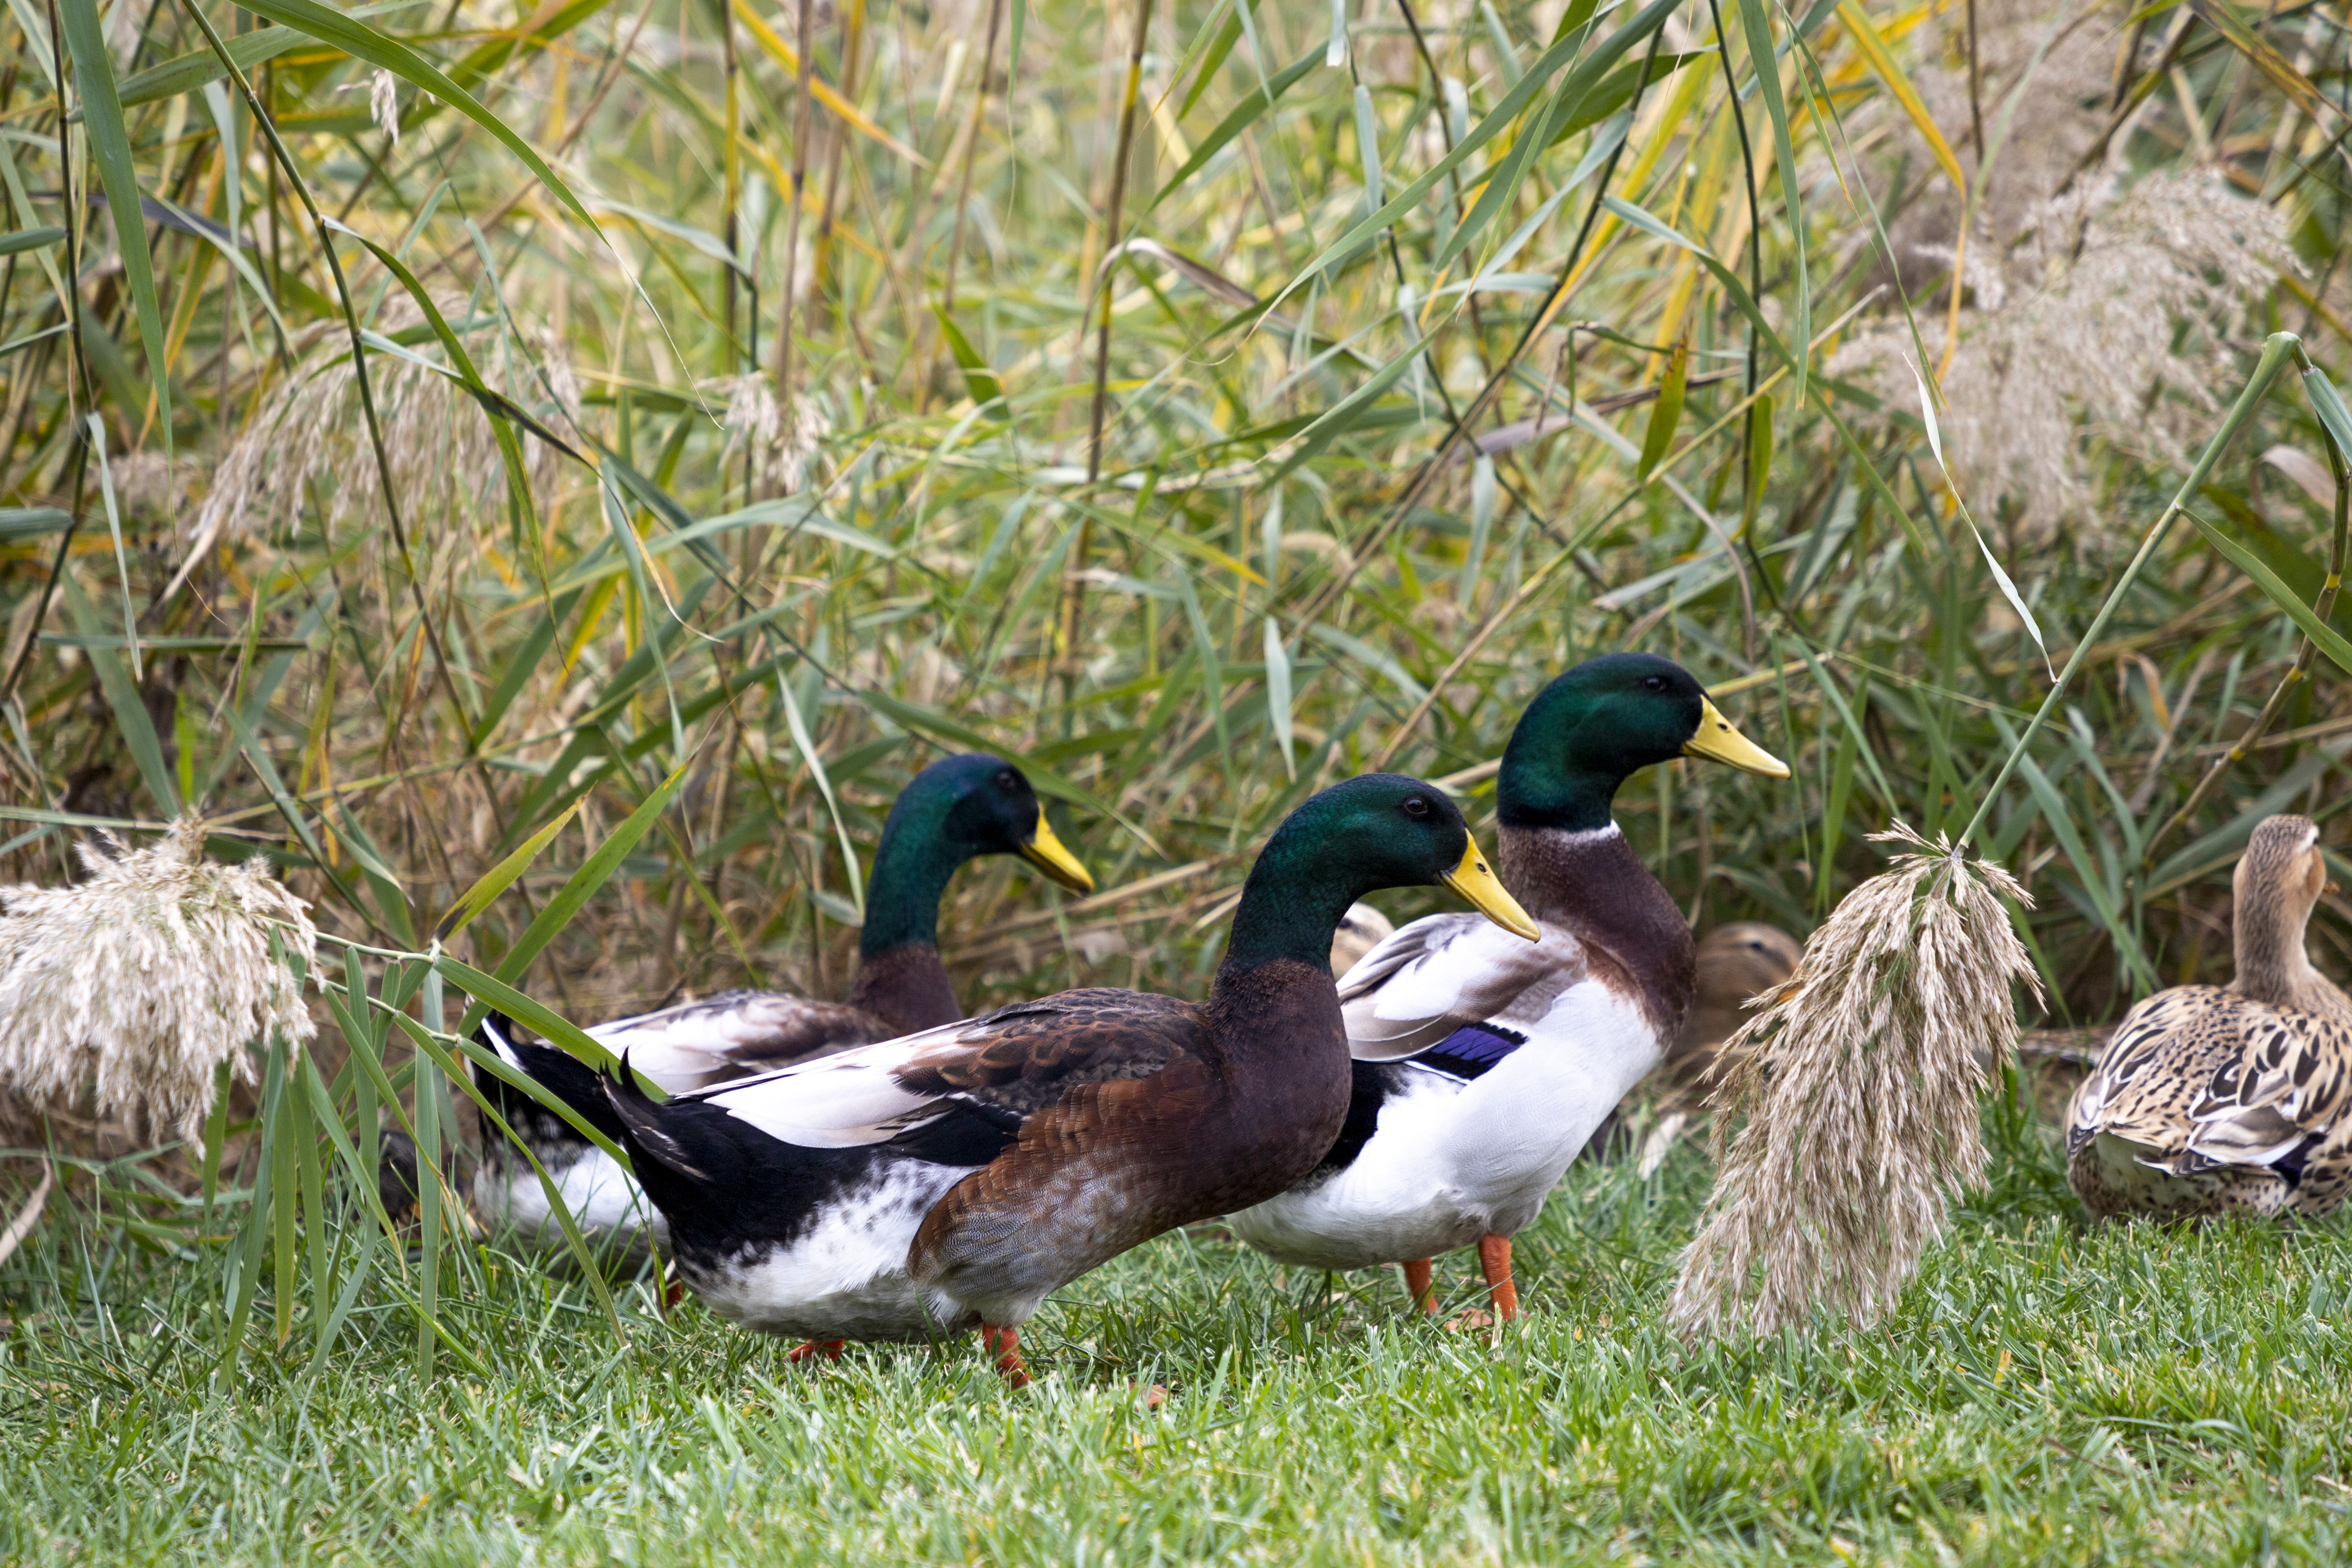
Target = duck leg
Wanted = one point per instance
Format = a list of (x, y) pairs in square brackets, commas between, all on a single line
[(1417, 1286), (1495, 1259), (829, 1349), (1004, 1344)]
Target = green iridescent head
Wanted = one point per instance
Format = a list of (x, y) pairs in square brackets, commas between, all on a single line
[(1601, 723), (955, 810)]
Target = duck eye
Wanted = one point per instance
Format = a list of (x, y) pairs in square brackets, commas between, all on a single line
[(1005, 780), (1416, 807), (1654, 682)]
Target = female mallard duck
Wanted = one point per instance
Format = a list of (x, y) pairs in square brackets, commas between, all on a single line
[(2229, 1099), (1482, 1067), (953, 1179), (1737, 962), (955, 810)]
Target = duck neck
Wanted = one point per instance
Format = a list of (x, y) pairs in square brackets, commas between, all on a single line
[(1566, 798), (1284, 917), (906, 987), (1592, 883), (1275, 983), (900, 977), (911, 871), (2272, 964)]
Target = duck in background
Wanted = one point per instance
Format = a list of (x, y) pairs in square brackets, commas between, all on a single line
[(955, 810), (1362, 929), (1737, 961), (2215, 1099), (953, 1179), (1482, 1066)]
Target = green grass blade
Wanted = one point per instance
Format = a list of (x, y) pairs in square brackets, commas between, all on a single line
[(582, 886), (129, 710), (356, 39), (1756, 21), (501, 877), (1587, 71), (109, 150), (1277, 695), (2325, 637), (1242, 117)]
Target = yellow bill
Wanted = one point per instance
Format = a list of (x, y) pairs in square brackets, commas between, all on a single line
[(1484, 889), (1046, 852), (1718, 741)]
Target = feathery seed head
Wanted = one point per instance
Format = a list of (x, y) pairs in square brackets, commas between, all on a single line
[(1854, 1096), (384, 103), (306, 439), (140, 982)]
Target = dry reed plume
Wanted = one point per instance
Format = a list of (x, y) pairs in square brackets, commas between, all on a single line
[(142, 980), (307, 445), (1854, 1094), (2100, 305)]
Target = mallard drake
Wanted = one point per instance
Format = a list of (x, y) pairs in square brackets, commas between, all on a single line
[(955, 810), (952, 1179), (1482, 1066), (2229, 1099)]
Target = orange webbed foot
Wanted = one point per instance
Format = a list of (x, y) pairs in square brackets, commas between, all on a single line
[(1005, 1345)]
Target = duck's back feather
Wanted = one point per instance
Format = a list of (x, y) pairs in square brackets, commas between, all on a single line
[(2215, 1090), (1009, 1064), (735, 1034)]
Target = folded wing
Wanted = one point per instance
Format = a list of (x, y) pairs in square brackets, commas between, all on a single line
[(1004, 1068), (2198, 1077), (1444, 972), (734, 1035)]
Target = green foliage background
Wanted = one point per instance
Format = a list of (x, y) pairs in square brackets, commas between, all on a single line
[(611, 556)]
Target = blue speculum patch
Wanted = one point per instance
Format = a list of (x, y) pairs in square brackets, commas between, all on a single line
[(1471, 1050)]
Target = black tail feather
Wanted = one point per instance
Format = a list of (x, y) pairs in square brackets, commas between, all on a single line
[(640, 1121), (554, 1069)]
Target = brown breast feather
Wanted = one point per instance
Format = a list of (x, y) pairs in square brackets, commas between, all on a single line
[(1095, 1166)]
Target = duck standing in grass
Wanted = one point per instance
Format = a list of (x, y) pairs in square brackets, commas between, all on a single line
[(2229, 1099), (1481, 1066), (953, 1179), (955, 810)]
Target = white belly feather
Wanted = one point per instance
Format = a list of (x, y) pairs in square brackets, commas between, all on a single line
[(1449, 1161), (604, 1200), (848, 1278)]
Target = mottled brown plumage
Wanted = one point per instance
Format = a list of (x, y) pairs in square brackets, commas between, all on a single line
[(1736, 962), (2213, 1100)]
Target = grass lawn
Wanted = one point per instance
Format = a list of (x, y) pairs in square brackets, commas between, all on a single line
[(2046, 1393)]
